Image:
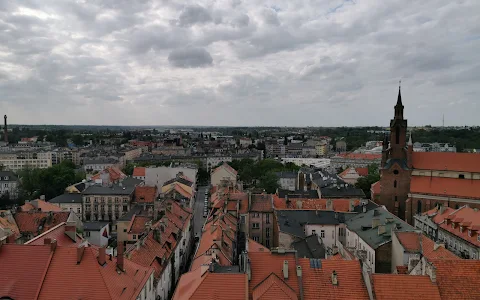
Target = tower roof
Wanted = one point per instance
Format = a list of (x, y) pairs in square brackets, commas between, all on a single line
[(399, 99)]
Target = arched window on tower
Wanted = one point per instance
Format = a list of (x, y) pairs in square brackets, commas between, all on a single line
[(395, 184), (397, 135)]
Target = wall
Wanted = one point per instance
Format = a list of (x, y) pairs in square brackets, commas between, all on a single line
[(449, 174), (285, 240), (389, 192), (287, 183), (331, 233), (354, 241), (383, 258), (456, 244), (163, 285), (97, 238), (399, 258), (220, 174)]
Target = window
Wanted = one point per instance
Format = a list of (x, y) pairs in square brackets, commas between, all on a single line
[(314, 232), (267, 218), (125, 230), (78, 210), (255, 225), (87, 233), (134, 236), (395, 172), (242, 219), (267, 232), (267, 243), (394, 183), (256, 238), (322, 233), (461, 176)]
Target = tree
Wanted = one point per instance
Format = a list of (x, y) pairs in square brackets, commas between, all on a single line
[(128, 170), (269, 182), (365, 183), (203, 176), (78, 140)]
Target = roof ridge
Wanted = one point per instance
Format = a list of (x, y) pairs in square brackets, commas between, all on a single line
[(37, 294)]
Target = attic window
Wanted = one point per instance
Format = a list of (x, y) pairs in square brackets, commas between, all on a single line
[(395, 172), (461, 176)]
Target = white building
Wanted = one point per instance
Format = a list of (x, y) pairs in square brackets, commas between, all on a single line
[(98, 164), (223, 172), (157, 176), (69, 202), (97, 233), (19, 161), (213, 161), (8, 184), (316, 162), (287, 180)]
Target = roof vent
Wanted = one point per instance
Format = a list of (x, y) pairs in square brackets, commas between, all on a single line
[(285, 269), (334, 278)]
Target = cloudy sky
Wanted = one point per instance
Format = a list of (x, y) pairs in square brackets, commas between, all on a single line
[(238, 62)]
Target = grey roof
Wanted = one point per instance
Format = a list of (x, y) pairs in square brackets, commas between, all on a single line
[(341, 191), (286, 175), (94, 226), (293, 221), (178, 179), (130, 181), (361, 224), (134, 210), (11, 176), (401, 162), (67, 198), (309, 247), (115, 189), (80, 186), (100, 161), (312, 194)]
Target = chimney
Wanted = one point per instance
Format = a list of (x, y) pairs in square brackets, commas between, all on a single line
[(299, 271), (334, 278), (71, 231), (120, 250), (329, 204), (80, 251), (249, 200), (299, 204), (375, 222), (285, 269), (101, 256), (5, 131), (381, 229)]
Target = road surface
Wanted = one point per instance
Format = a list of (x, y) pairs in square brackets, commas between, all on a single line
[(198, 218)]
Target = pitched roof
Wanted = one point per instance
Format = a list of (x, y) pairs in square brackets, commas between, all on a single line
[(137, 225), (375, 187), (357, 171), (339, 205), (139, 172), (444, 186), (59, 234), (21, 278), (452, 161), (262, 203), (226, 167), (145, 194), (458, 279), (38, 222), (67, 279), (293, 221), (273, 288), (369, 156), (114, 172), (309, 247), (342, 191), (404, 287), (317, 282), (262, 265), (198, 285), (255, 247), (310, 194), (39, 205), (115, 189), (466, 217), (410, 240), (67, 198), (362, 171)]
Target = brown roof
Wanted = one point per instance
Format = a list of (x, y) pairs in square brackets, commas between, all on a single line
[(262, 203), (39, 205), (273, 288), (417, 242), (409, 240), (58, 233), (115, 174), (137, 224), (139, 172), (145, 194), (458, 279), (451, 161), (444, 186), (369, 156), (404, 287), (340, 205), (466, 217), (38, 222)]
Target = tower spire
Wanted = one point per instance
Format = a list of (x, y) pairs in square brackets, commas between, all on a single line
[(399, 99)]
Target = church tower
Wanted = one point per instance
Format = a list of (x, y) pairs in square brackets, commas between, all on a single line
[(396, 164)]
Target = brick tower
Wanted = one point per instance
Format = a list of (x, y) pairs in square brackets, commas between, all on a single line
[(396, 164)]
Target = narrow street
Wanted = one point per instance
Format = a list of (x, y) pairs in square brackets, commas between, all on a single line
[(198, 218)]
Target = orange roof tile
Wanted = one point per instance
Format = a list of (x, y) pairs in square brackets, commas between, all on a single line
[(19, 279), (40, 205), (256, 247), (150, 254), (336, 257), (404, 287), (264, 264), (57, 233), (196, 285), (317, 282), (137, 225), (227, 167), (402, 269), (462, 162), (273, 288), (458, 279), (115, 174), (145, 194), (340, 205), (139, 171), (409, 240), (428, 250), (376, 187), (445, 186), (362, 171), (466, 217), (38, 222), (262, 203)]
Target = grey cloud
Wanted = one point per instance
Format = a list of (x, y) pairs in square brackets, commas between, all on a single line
[(270, 17), (241, 21), (194, 14), (190, 57)]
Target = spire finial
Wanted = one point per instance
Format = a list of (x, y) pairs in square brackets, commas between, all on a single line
[(399, 84), (399, 99)]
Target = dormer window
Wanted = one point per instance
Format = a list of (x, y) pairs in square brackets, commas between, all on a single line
[(461, 228), (453, 225), (6, 177), (469, 233)]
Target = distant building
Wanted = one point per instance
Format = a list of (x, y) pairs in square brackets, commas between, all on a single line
[(97, 233), (222, 173), (9, 184), (287, 180), (99, 164), (341, 146)]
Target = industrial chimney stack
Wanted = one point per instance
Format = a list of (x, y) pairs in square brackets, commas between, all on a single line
[(5, 135)]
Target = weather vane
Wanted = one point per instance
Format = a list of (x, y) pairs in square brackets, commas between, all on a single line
[(399, 84)]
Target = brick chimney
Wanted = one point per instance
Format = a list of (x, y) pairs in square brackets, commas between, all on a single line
[(120, 250), (80, 251), (101, 256)]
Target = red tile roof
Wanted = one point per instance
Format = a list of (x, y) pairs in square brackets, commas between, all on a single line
[(376, 187), (336, 257), (57, 233), (340, 205), (145, 194), (262, 203), (150, 254), (198, 285), (462, 162), (21, 278), (115, 174), (137, 224), (227, 167), (138, 172), (55, 274), (40, 205), (262, 265), (317, 282), (443, 186), (8, 223), (458, 279), (465, 217), (30, 222), (273, 288), (404, 287), (256, 247), (402, 269), (410, 240), (362, 171), (369, 156)]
